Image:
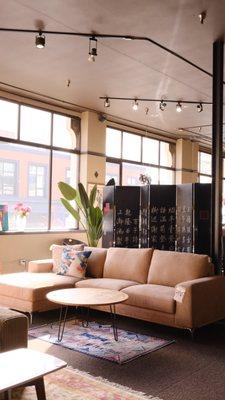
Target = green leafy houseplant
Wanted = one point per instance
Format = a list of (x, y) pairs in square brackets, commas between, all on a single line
[(89, 216)]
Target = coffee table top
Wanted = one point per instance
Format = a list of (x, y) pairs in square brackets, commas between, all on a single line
[(86, 297), (17, 367)]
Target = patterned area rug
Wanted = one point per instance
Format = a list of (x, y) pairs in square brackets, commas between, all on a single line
[(98, 341), (69, 384)]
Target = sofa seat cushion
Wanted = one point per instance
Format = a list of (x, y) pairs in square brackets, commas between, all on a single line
[(170, 267), (128, 264), (31, 286), (105, 283), (153, 297)]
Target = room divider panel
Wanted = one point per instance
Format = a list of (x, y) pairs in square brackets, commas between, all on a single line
[(194, 218), (121, 206), (158, 217)]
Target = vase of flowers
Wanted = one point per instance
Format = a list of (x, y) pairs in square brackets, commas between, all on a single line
[(22, 213)]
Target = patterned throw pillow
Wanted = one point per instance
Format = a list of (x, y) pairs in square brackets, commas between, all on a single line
[(74, 263), (57, 251)]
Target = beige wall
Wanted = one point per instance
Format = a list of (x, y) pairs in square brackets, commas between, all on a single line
[(186, 161), (29, 247)]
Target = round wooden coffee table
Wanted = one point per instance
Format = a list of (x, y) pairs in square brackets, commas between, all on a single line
[(86, 297)]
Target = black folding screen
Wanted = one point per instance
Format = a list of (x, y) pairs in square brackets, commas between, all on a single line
[(166, 217), (158, 216), (193, 218), (184, 231), (121, 205)]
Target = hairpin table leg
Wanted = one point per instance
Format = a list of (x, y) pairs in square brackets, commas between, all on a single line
[(114, 321), (85, 323), (62, 321)]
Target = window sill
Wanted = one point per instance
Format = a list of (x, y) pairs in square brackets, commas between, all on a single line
[(30, 232)]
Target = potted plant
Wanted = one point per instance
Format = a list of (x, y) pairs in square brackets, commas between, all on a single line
[(86, 213)]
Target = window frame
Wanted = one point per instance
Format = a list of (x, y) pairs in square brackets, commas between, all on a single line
[(46, 179), (51, 149), (121, 160), (16, 176)]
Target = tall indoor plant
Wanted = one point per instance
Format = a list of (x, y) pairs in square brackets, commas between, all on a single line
[(86, 213)]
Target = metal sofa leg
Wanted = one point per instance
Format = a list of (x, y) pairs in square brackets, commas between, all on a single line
[(30, 317), (192, 332)]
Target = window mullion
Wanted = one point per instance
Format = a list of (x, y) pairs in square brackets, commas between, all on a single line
[(50, 178)]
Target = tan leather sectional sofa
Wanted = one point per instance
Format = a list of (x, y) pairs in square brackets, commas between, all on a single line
[(170, 288)]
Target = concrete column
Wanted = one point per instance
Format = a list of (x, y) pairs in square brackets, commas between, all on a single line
[(186, 161), (92, 160)]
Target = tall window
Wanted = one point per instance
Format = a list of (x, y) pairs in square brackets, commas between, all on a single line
[(205, 174), (130, 155), (37, 150)]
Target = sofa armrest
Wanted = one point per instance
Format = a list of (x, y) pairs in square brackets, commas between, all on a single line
[(40, 265), (200, 301)]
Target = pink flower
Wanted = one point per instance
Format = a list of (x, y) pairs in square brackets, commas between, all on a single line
[(18, 206), (22, 210)]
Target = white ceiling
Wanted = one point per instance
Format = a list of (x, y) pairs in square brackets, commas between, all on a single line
[(122, 68)]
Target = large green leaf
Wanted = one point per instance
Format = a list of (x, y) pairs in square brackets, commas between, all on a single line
[(90, 217), (93, 195), (67, 191), (83, 196), (72, 210)]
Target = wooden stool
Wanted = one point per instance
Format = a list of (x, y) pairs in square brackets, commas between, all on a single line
[(13, 330)]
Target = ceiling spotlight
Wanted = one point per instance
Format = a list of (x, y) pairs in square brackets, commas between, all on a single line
[(107, 102), (179, 107), (199, 107), (162, 105), (135, 105), (40, 40), (202, 17), (92, 49)]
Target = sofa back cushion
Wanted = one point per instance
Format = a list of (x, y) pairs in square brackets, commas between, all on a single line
[(169, 268), (96, 261), (128, 264)]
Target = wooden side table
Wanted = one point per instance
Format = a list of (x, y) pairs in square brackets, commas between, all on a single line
[(25, 367)]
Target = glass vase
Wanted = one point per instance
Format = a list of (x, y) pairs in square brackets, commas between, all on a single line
[(21, 223)]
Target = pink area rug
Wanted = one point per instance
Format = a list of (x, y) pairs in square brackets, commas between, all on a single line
[(98, 341), (69, 384)]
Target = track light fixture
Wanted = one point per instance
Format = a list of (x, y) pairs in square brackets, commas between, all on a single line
[(179, 107), (92, 49), (106, 103), (135, 105), (162, 105), (40, 40), (199, 107), (202, 17)]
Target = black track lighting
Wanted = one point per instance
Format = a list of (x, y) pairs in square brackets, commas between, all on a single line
[(40, 40), (106, 103), (92, 49), (162, 105), (135, 105), (180, 104), (179, 107), (200, 107)]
